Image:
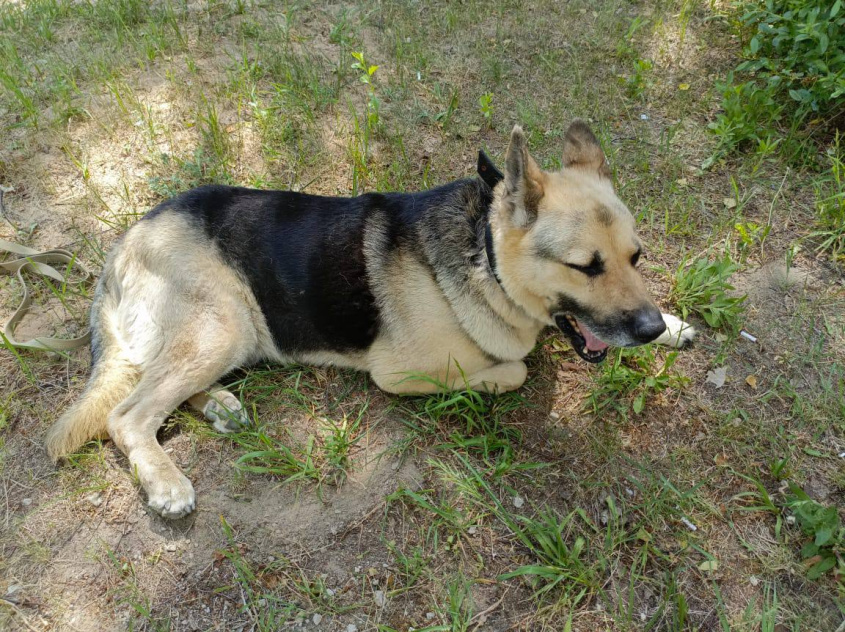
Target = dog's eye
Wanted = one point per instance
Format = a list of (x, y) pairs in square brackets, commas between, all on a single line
[(593, 269), (635, 258)]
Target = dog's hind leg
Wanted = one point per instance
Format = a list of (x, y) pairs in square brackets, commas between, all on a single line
[(133, 425), (182, 369), (221, 407)]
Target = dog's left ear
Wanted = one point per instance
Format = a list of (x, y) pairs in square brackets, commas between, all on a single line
[(523, 181), (581, 149), (487, 170)]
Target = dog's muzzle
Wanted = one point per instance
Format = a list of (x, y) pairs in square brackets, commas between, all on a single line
[(634, 328), (586, 344)]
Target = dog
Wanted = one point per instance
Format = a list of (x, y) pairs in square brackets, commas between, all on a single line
[(443, 289)]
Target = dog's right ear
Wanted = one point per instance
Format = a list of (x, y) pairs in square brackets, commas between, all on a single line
[(581, 149), (523, 181)]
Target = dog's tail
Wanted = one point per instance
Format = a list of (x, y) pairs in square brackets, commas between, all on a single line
[(112, 379)]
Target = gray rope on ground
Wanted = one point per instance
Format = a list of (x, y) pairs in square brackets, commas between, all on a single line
[(3, 191)]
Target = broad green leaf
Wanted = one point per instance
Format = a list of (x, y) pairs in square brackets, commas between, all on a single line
[(824, 41), (823, 536), (817, 570), (639, 403)]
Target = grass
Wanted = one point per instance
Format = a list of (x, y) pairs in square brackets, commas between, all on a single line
[(830, 206), (629, 496), (629, 380)]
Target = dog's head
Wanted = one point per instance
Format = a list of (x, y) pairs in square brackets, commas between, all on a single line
[(566, 248)]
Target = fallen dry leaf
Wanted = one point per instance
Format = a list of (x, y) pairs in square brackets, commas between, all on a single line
[(751, 380), (717, 376), (708, 566)]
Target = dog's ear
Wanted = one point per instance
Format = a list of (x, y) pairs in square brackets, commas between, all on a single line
[(487, 170), (523, 180), (581, 149)]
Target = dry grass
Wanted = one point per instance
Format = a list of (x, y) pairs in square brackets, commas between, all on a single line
[(416, 513)]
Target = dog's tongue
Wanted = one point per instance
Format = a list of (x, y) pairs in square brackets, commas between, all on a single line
[(593, 343)]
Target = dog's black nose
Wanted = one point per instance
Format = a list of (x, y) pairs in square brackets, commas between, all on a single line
[(648, 325)]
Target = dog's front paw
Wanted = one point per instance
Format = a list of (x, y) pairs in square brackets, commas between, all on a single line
[(172, 498), (678, 333)]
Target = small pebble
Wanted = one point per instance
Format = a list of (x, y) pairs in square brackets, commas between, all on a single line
[(518, 501), (170, 547), (379, 598), (351, 628), (95, 499), (429, 616), (26, 502), (317, 618)]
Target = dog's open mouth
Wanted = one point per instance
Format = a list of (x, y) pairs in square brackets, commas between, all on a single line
[(585, 342)]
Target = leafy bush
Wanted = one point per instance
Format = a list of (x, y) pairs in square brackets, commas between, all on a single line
[(630, 379), (824, 552), (702, 288), (793, 73)]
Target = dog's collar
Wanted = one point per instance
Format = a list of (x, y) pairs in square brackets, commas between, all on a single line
[(488, 247), (490, 177)]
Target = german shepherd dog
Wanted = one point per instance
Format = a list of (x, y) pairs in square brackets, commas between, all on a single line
[(406, 286)]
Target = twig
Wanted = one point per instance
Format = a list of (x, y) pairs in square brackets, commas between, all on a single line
[(14, 607), (360, 522), (481, 616)]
